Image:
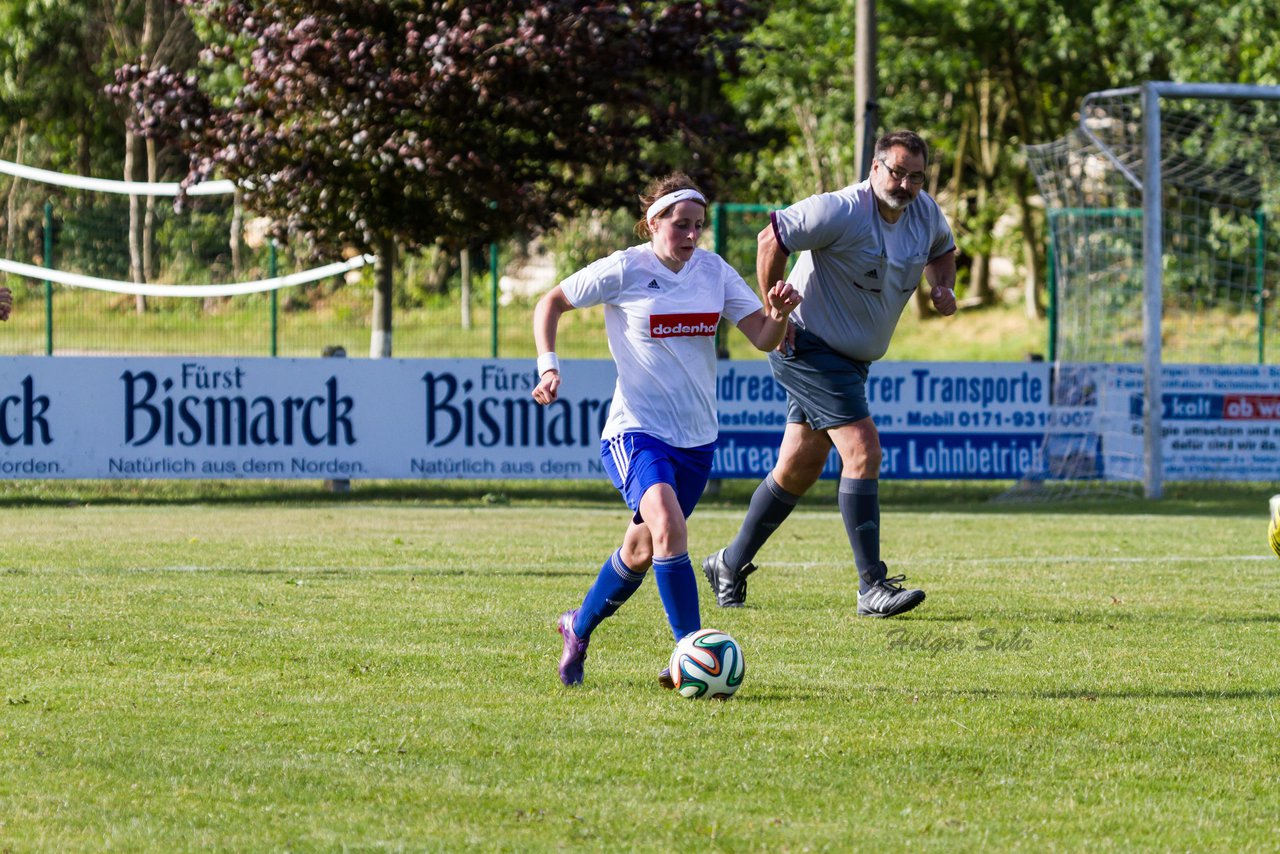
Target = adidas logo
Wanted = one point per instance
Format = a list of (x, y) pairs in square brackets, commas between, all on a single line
[(653, 285), (872, 274)]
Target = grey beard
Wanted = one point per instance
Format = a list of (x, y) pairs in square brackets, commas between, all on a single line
[(890, 202)]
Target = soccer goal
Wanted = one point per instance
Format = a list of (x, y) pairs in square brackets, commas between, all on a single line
[(1163, 255)]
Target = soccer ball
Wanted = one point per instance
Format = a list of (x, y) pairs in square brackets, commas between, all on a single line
[(1273, 530), (707, 663)]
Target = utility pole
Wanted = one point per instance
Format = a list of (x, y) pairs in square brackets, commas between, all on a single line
[(864, 85)]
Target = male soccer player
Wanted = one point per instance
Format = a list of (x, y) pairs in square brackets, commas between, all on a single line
[(863, 250)]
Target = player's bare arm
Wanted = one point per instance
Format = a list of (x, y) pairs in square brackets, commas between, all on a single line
[(766, 328), (940, 273), (771, 266), (546, 321)]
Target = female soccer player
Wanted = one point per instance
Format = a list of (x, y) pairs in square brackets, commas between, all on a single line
[(663, 301)]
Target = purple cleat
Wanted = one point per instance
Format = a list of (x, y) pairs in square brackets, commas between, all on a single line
[(575, 650), (665, 680)]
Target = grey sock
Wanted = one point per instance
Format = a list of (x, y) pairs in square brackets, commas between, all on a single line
[(860, 509), (770, 505)]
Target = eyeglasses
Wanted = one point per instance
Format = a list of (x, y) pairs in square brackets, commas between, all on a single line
[(898, 175)]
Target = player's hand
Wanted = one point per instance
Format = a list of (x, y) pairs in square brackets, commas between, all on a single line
[(783, 299), (944, 300), (788, 343), (6, 303), (548, 387)]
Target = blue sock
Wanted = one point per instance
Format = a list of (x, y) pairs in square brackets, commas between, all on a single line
[(613, 586), (679, 592), (860, 508)]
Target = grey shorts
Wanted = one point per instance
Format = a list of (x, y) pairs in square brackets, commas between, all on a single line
[(824, 388)]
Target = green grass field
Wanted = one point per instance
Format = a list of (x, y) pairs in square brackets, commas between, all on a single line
[(269, 667)]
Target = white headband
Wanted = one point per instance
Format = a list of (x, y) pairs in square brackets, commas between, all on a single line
[(670, 199)]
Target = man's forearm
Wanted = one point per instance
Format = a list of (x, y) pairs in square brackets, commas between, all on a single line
[(941, 272), (771, 262)]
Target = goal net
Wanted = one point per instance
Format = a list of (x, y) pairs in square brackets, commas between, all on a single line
[(114, 261), (1163, 220)]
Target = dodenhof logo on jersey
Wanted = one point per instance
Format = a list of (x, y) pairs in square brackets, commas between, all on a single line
[(689, 325)]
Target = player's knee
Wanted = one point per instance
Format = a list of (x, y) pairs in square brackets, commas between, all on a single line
[(864, 464), (797, 479), (797, 472), (638, 557), (670, 536)]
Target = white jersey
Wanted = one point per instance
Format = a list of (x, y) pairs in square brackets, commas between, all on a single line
[(856, 271), (661, 328)]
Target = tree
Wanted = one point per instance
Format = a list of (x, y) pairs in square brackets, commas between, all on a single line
[(397, 124), (1218, 41), (801, 101), (976, 77), (52, 69), (1001, 74), (158, 34), (1005, 73), (54, 59)]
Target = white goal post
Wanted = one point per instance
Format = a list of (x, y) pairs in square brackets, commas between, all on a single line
[(1153, 251), (1198, 164)]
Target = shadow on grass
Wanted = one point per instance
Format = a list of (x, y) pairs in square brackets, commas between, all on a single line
[(977, 497), (1162, 694), (425, 571), (918, 617), (1091, 694), (768, 695), (1248, 618), (1105, 617), (468, 493)]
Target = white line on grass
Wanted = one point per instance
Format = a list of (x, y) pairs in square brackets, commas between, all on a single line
[(526, 565)]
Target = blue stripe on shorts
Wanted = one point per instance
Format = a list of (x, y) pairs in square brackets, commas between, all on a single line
[(637, 461)]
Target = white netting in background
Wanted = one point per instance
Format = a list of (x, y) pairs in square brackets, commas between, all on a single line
[(1219, 257), (1220, 186), (150, 266)]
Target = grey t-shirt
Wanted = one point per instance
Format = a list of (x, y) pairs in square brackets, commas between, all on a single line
[(857, 271)]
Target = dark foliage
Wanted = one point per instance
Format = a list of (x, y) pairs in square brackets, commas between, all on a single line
[(425, 120)]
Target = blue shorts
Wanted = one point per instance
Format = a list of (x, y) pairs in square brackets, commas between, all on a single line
[(825, 389), (636, 461)]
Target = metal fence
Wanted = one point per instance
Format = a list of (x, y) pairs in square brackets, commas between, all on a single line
[(70, 232)]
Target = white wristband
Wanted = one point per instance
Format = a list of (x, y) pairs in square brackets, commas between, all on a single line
[(548, 362)]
